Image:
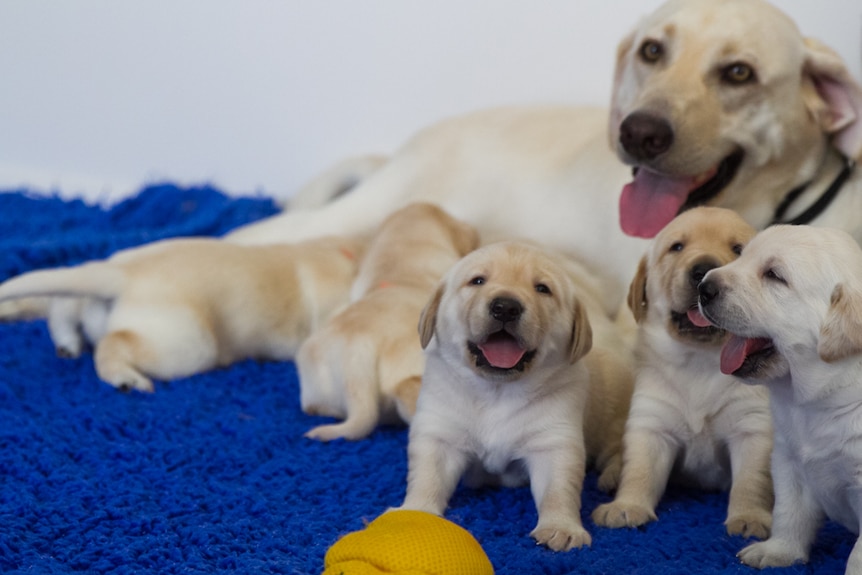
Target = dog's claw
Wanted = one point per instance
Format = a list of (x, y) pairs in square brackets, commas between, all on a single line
[(558, 538)]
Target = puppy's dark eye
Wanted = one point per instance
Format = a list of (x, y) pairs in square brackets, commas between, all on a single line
[(651, 51), (477, 281), (677, 247), (542, 288), (738, 73), (737, 249), (772, 275)]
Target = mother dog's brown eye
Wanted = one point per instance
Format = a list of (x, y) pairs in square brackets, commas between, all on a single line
[(542, 288), (477, 281), (651, 51), (737, 249), (738, 73), (677, 247)]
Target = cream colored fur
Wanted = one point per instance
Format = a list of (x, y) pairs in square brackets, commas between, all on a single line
[(541, 420), (365, 364)]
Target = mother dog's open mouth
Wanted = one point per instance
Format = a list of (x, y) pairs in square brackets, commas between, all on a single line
[(652, 199), (501, 353)]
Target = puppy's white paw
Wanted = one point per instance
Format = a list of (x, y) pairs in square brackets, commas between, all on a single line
[(619, 514), (558, 537), (772, 553), (754, 523)]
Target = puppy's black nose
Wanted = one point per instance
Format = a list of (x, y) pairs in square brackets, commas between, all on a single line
[(645, 136), (708, 290), (505, 309), (698, 270)]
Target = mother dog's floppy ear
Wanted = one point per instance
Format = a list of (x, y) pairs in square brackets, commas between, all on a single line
[(582, 333), (428, 319), (637, 299), (841, 332), (838, 101)]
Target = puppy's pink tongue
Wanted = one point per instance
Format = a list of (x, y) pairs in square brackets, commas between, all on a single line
[(697, 318), (650, 201), (737, 349), (502, 352)]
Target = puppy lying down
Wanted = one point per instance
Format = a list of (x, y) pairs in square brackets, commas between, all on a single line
[(688, 421), (365, 364), (526, 379), (793, 301), (178, 307)]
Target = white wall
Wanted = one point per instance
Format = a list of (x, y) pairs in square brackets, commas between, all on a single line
[(98, 97)]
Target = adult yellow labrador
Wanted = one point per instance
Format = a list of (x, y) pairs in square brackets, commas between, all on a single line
[(721, 103)]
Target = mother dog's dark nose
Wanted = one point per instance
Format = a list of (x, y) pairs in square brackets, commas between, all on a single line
[(645, 136), (505, 309), (708, 290)]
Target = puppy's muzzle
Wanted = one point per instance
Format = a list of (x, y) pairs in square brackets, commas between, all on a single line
[(645, 136), (689, 323), (501, 353)]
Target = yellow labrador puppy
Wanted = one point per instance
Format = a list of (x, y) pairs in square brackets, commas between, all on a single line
[(526, 379), (687, 418), (365, 364), (794, 304), (178, 307)]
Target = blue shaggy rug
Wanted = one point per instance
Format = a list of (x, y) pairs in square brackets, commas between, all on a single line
[(211, 474)]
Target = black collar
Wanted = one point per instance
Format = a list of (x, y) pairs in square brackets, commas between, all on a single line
[(817, 207)]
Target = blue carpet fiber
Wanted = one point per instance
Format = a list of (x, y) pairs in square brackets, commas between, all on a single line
[(211, 474)]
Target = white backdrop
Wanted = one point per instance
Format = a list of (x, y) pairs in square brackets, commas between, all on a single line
[(98, 97)]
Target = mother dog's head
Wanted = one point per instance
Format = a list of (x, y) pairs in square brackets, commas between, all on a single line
[(714, 98)]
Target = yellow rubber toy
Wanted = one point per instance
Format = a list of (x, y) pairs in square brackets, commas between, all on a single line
[(405, 542)]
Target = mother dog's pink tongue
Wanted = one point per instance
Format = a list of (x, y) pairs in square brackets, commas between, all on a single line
[(650, 201), (737, 349), (502, 353)]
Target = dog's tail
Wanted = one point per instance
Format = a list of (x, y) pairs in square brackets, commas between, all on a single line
[(335, 181), (101, 280)]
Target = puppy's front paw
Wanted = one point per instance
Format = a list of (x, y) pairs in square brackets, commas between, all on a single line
[(559, 537), (754, 523), (772, 553), (619, 514)]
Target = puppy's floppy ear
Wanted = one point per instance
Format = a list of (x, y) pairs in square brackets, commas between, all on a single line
[(836, 100), (637, 291), (582, 333), (841, 332), (428, 319)]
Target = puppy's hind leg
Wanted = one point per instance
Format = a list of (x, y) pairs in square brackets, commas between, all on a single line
[(64, 325), (115, 361), (358, 372)]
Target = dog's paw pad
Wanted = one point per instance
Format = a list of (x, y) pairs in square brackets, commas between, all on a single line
[(750, 524), (771, 553), (616, 514), (558, 538)]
